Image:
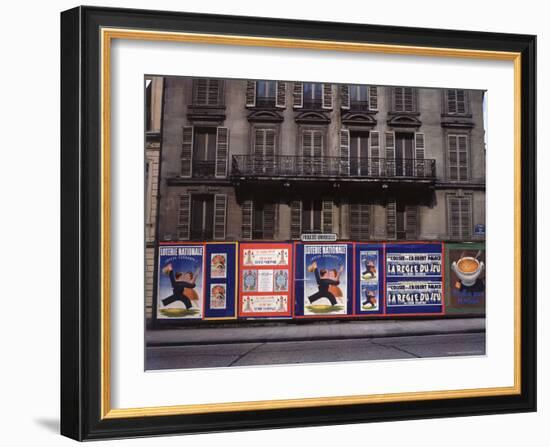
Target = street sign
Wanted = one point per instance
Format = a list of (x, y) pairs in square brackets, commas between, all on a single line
[(319, 237)]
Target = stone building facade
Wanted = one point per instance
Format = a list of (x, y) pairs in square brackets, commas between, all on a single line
[(272, 160), (153, 117)]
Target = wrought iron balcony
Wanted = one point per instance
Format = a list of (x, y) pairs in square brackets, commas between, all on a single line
[(250, 166)]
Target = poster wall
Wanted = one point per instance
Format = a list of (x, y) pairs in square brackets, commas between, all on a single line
[(265, 279), (220, 280), (369, 279), (324, 279), (465, 278), (414, 278), (180, 287)]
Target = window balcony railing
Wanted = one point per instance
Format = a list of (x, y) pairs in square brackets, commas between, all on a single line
[(331, 167), (312, 103), (359, 106), (204, 168), (265, 102)]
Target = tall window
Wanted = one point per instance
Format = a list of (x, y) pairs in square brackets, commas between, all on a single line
[(459, 216), (404, 99), (258, 220), (401, 221), (204, 152), (313, 95), (404, 154), (266, 92), (202, 216), (458, 166), (359, 97), (456, 102), (207, 92), (311, 216)]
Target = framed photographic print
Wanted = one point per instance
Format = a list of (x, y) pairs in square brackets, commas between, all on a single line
[(275, 223)]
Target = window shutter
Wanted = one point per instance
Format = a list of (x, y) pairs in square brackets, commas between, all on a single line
[(419, 145), (408, 99), (397, 99), (460, 102), (201, 92), (184, 217), (462, 145), (280, 100), (295, 219), (452, 157), (327, 211), (246, 227), (390, 153), (391, 219), (359, 221), (187, 152), (318, 143), (374, 151), (220, 205), (298, 95), (373, 98), (250, 93), (214, 92), (465, 218), (327, 96), (411, 222), (344, 152), (451, 101), (269, 221), (344, 96), (453, 216), (222, 151)]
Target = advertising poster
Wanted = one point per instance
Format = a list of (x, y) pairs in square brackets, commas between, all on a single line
[(265, 277), (369, 279), (465, 273), (221, 280), (180, 290), (323, 279), (414, 278)]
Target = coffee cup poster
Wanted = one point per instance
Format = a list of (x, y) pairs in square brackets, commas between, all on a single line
[(465, 278), (325, 279), (180, 282)]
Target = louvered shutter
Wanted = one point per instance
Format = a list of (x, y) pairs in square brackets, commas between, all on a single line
[(220, 206), (247, 212), (451, 101), (461, 102), (298, 95), (201, 92), (408, 99), (222, 151), (269, 221), (453, 217), (295, 219), (374, 153), (398, 99), (187, 152), (345, 96), (359, 221), (327, 96), (390, 154), (465, 218), (419, 152), (411, 222), (214, 92), (452, 157), (344, 152), (327, 213), (373, 98), (184, 217), (280, 100), (462, 146), (269, 151), (391, 219), (250, 93)]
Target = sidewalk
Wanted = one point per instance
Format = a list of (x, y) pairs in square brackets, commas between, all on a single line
[(315, 331)]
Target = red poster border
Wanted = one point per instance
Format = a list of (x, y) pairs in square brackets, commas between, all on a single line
[(290, 294)]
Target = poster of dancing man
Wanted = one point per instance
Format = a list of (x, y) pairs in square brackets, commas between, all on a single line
[(325, 289), (180, 282)]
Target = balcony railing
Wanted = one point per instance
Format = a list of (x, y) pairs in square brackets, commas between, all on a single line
[(331, 167), (204, 168), (359, 106)]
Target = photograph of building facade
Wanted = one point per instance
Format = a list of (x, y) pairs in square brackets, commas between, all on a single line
[(273, 160)]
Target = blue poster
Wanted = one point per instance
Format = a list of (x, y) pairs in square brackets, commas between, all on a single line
[(369, 279), (220, 291), (324, 279), (180, 291), (414, 278)]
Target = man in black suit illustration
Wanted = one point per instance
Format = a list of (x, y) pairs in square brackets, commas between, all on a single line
[(324, 281), (180, 281)]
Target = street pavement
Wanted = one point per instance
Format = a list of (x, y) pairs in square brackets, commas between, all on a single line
[(314, 351), (208, 347)]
